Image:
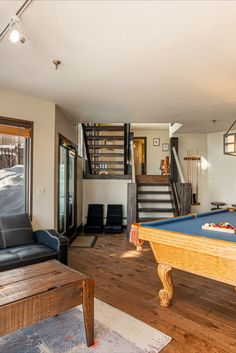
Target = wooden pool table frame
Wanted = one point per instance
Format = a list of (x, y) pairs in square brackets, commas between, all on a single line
[(207, 257)]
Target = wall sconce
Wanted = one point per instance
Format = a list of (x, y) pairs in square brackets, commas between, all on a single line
[(230, 142)]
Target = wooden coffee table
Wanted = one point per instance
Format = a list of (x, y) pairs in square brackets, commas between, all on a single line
[(34, 293)]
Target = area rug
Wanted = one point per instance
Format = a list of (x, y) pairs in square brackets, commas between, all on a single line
[(115, 332), (84, 241)]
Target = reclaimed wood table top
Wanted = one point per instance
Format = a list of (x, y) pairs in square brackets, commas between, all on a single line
[(25, 282)]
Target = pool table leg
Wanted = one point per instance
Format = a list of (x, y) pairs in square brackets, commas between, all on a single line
[(165, 294)]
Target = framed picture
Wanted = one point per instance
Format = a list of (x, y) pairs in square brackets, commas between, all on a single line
[(156, 141), (165, 147)]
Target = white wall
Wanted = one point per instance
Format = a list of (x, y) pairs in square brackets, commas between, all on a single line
[(222, 171), (196, 144), (104, 192), (154, 153), (42, 113)]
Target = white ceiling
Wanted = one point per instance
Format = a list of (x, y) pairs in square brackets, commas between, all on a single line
[(150, 126), (137, 61)]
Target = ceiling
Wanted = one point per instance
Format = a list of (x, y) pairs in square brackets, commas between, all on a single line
[(150, 126), (127, 61)]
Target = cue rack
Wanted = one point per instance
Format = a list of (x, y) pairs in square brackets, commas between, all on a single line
[(193, 172)]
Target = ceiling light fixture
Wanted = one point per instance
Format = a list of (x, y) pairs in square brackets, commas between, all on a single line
[(13, 26), (56, 62), (16, 34)]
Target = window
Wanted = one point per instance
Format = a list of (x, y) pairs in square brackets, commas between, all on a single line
[(15, 166)]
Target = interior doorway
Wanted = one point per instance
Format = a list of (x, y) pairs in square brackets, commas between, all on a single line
[(67, 187), (140, 155)]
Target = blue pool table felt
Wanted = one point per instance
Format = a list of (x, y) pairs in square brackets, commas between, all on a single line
[(193, 225)]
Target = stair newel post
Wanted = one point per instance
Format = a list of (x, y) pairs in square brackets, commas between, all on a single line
[(87, 148), (173, 166), (126, 147)]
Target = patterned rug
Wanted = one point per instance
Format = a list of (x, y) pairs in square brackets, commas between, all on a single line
[(115, 332)]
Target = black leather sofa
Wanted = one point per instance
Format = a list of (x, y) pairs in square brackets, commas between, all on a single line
[(21, 246)]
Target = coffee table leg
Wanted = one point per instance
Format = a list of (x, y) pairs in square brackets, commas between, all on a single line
[(88, 309)]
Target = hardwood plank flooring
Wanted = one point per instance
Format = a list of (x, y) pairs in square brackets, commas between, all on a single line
[(202, 318)]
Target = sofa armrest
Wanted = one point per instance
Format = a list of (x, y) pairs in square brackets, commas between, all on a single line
[(53, 240)]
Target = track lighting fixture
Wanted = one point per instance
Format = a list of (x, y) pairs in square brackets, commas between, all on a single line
[(13, 28), (16, 35)]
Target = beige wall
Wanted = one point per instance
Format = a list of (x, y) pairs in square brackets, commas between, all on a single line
[(104, 192), (154, 153), (43, 115), (48, 122)]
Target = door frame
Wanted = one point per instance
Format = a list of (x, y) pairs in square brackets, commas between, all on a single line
[(66, 143), (145, 151)]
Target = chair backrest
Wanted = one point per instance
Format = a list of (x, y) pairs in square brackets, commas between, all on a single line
[(114, 214), (95, 214)]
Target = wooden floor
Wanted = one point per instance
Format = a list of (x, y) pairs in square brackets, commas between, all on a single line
[(203, 315)]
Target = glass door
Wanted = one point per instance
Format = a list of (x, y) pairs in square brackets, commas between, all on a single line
[(67, 188)]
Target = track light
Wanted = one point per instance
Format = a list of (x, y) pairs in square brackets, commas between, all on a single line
[(16, 34), (13, 27)]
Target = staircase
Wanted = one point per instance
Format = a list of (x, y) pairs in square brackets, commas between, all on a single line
[(107, 148), (155, 198)]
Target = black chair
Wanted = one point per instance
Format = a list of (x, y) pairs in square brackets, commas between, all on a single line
[(114, 219), (94, 219)]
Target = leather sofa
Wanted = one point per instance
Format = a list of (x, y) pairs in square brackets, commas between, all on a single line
[(21, 246)]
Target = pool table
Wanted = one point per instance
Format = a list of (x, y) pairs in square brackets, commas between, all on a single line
[(181, 243)]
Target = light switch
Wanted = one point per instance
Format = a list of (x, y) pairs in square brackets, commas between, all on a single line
[(40, 190)]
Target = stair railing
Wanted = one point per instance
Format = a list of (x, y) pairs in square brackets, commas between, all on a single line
[(88, 164), (132, 161), (132, 199), (126, 147), (182, 191)]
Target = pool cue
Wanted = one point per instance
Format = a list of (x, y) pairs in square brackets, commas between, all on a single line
[(197, 183)]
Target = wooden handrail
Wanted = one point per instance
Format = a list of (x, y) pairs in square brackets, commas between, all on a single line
[(181, 176), (87, 149)]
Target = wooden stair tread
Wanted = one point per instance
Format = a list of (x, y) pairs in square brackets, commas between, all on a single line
[(153, 184), (107, 154), (104, 128), (105, 137), (148, 219), (107, 162), (155, 201), (108, 169), (154, 192), (120, 147), (156, 210)]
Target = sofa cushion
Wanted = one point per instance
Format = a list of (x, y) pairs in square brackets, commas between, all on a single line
[(7, 258), (32, 251), (16, 230), (25, 255), (1, 241)]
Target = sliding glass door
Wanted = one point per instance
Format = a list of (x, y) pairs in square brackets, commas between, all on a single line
[(67, 187)]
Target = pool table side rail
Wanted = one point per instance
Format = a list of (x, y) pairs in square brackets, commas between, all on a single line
[(215, 259)]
